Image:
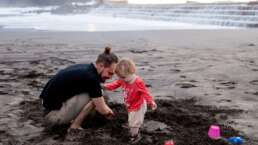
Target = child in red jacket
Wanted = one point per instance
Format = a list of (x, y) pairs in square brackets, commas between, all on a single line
[(136, 96)]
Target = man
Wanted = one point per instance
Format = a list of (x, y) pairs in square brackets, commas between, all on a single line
[(75, 91)]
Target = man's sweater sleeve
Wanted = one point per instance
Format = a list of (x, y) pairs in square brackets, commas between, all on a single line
[(113, 85)]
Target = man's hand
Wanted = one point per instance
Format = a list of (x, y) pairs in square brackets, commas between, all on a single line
[(110, 115), (102, 107)]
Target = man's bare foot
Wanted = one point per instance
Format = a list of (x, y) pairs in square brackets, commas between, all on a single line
[(75, 134), (74, 127)]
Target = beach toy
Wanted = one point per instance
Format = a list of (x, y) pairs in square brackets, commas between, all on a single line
[(235, 140), (214, 132), (169, 142)]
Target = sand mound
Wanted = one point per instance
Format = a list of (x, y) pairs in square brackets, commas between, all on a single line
[(181, 120)]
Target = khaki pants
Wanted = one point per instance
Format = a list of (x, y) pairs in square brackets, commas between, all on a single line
[(69, 110), (136, 118)]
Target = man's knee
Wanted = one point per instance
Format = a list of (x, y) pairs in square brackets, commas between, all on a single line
[(52, 119), (69, 110), (55, 118)]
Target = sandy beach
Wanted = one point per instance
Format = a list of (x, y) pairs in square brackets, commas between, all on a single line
[(198, 77)]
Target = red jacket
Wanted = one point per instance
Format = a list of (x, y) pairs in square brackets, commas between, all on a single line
[(134, 94)]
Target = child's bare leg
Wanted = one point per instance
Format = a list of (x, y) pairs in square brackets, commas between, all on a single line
[(134, 131)]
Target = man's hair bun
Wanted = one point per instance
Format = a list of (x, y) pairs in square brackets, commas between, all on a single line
[(107, 50)]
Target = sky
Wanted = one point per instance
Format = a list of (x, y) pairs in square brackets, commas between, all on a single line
[(180, 1)]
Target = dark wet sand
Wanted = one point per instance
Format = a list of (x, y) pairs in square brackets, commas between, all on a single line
[(206, 77)]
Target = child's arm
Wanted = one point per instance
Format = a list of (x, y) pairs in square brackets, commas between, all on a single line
[(113, 85), (146, 95)]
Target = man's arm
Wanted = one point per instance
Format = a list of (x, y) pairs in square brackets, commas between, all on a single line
[(102, 107), (99, 104)]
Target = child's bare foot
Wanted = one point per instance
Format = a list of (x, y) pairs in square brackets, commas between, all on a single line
[(135, 139), (125, 126)]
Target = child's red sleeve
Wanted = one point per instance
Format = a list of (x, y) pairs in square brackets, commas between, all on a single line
[(113, 85), (142, 88)]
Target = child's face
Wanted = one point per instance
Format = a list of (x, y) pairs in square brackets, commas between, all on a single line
[(121, 77), (127, 78)]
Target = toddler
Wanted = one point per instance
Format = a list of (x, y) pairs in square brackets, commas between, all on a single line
[(136, 96)]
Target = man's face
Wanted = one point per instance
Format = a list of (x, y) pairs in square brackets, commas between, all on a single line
[(108, 72)]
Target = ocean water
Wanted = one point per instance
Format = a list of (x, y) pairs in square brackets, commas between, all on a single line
[(36, 18)]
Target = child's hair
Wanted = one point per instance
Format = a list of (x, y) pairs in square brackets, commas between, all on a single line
[(125, 67), (107, 58)]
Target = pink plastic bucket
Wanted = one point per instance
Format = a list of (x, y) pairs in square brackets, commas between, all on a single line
[(169, 142), (214, 132)]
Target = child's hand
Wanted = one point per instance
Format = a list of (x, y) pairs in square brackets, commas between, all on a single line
[(153, 106)]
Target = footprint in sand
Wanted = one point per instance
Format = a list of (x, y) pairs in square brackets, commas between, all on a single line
[(255, 69), (224, 100), (35, 62), (142, 51), (138, 51), (226, 84), (151, 70), (254, 82), (36, 83), (252, 92), (32, 74), (60, 61), (175, 70), (3, 92), (251, 44), (185, 85)]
